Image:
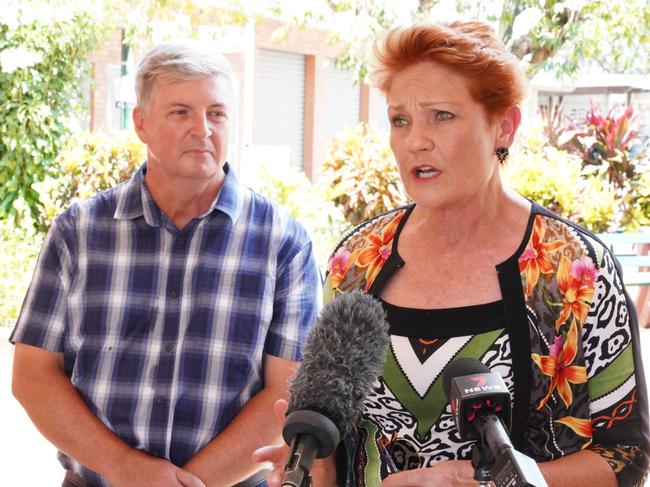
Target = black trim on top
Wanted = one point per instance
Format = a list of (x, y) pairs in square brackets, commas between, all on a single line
[(517, 327), (444, 323), (514, 304)]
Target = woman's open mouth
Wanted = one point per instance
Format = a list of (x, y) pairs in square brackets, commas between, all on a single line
[(426, 172)]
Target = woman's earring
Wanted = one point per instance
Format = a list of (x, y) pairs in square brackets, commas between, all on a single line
[(502, 154)]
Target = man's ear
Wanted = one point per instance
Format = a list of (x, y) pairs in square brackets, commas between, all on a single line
[(508, 127), (138, 123)]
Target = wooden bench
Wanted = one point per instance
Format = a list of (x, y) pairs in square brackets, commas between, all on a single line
[(633, 252)]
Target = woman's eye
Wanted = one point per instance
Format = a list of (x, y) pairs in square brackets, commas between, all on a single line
[(443, 115)]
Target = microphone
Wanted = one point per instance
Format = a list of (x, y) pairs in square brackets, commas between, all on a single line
[(342, 358), (480, 404)]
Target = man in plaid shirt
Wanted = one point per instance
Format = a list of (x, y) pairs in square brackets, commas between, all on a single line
[(165, 315)]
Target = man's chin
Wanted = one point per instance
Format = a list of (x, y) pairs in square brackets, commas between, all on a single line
[(204, 172)]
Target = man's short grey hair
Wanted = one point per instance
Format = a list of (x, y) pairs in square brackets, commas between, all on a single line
[(178, 61)]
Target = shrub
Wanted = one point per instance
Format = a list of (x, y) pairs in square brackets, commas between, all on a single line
[(44, 75), (362, 174), (18, 250), (306, 202), (89, 163), (554, 178), (610, 150)]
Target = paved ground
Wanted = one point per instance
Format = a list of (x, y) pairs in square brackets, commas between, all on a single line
[(27, 460)]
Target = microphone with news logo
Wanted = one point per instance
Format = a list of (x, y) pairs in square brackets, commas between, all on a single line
[(342, 358), (480, 404)]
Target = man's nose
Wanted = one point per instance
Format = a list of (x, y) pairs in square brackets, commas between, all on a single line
[(201, 126)]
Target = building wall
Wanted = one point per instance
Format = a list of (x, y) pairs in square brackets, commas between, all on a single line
[(312, 43), (237, 136), (106, 62), (641, 103)]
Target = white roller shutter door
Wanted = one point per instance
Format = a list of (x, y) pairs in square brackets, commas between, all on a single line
[(280, 104), (342, 99)]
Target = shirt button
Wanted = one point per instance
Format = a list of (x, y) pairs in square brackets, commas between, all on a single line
[(173, 294), (181, 241), (160, 399), (168, 347)]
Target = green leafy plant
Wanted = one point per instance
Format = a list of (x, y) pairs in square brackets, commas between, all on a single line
[(18, 251), (306, 202), (554, 178), (552, 35), (43, 79), (362, 174), (90, 162)]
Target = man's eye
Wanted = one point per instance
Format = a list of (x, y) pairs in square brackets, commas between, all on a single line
[(219, 114), (179, 112), (399, 122), (443, 115)]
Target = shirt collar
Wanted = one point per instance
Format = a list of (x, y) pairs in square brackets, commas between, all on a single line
[(135, 201), (230, 199)]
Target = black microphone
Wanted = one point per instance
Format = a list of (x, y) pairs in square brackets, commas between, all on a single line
[(480, 404), (342, 358)]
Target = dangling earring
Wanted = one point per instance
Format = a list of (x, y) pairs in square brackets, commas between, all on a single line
[(502, 154)]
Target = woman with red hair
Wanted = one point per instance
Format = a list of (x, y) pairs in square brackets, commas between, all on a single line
[(472, 269)]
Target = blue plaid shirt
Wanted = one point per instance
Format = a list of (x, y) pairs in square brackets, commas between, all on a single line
[(163, 330)]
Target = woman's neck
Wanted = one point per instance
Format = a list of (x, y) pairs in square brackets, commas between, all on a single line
[(498, 219)]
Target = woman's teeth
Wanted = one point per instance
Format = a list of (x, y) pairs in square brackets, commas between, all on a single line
[(426, 172)]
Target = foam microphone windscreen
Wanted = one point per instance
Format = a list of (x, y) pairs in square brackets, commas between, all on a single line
[(342, 358)]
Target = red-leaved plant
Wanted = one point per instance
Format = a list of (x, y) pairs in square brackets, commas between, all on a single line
[(607, 146)]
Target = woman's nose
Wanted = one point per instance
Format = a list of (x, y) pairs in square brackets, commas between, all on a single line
[(419, 139)]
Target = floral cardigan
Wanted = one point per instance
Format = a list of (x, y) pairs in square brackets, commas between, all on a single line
[(578, 377)]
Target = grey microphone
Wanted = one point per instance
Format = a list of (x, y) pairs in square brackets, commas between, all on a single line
[(342, 358)]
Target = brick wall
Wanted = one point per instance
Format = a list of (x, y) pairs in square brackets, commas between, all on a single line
[(108, 53), (301, 41)]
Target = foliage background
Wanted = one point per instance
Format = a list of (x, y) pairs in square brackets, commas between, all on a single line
[(90, 162), (43, 80), (309, 203), (45, 74), (362, 174), (554, 178), (18, 250)]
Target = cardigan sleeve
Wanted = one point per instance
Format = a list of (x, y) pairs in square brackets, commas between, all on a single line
[(618, 401)]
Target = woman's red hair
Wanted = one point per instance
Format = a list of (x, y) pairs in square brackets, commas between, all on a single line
[(471, 49)]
